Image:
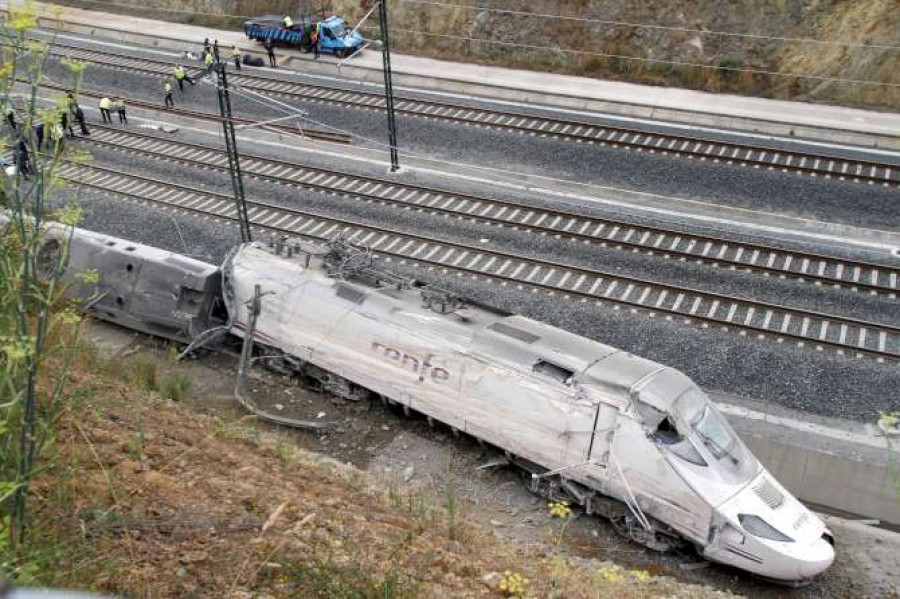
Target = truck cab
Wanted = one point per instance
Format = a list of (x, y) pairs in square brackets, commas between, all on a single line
[(337, 38)]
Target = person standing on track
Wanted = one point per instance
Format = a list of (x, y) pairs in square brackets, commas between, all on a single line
[(208, 62), (314, 41), (269, 45), (181, 76), (167, 87), (104, 110), (79, 118), (236, 55), (216, 50), (39, 134), (66, 123), (120, 108), (11, 116), (23, 165)]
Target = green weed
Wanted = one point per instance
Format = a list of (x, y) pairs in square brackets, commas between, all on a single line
[(175, 387)]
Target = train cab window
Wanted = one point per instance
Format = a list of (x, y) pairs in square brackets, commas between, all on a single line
[(557, 373), (667, 434)]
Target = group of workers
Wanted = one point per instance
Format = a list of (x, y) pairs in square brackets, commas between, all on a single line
[(210, 57), (107, 106), (74, 113), (54, 130), (314, 36)]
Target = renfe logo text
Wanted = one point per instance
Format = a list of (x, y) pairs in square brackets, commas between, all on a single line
[(421, 367)]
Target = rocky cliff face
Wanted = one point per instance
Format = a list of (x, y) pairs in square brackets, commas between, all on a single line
[(682, 47), (681, 42)]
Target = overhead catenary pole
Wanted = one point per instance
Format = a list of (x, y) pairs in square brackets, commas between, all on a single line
[(388, 85), (234, 164)]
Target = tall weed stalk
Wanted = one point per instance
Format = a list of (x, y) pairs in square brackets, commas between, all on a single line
[(38, 331)]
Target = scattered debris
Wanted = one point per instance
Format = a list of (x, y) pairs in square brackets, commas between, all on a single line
[(320, 415), (501, 461)]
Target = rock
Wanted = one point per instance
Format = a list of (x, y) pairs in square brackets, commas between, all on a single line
[(385, 427), (181, 572), (193, 557), (279, 406), (320, 415), (497, 523), (408, 473), (492, 580)]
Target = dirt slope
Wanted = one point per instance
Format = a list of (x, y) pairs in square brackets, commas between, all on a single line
[(144, 497)]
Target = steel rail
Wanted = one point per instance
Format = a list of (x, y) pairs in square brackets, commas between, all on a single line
[(704, 149), (771, 260), (341, 138), (857, 336)]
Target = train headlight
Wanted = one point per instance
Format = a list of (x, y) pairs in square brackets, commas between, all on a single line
[(758, 527)]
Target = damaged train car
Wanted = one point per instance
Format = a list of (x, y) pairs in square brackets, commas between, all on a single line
[(623, 437)]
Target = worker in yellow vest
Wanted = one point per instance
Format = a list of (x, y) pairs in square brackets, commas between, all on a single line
[(208, 60), (236, 55), (288, 22), (181, 76), (105, 105), (167, 88)]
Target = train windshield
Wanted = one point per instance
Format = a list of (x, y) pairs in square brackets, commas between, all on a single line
[(713, 433), (339, 30)]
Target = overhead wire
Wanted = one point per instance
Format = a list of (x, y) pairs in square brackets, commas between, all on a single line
[(158, 9), (757, 36)]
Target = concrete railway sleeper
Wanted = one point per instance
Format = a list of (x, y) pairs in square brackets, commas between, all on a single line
[(716, 151), (820, 330), (777, 261)]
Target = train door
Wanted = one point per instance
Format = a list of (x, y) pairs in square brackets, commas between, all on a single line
[(604, 434)]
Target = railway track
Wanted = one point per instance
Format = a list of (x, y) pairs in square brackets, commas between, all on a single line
[(331, 136), (666, 242), (855, 337), (716, 151)]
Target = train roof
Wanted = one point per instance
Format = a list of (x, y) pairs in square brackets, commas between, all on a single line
[(490, 334)]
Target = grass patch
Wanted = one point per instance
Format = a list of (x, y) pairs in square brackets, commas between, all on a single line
[(144, 374), (328, 577), (175, 386)]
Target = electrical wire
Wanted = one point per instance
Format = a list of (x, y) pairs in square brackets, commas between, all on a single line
[(156, 8), (799, 40), (747, 70)]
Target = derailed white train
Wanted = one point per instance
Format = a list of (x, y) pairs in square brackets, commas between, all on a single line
[(622, 436)]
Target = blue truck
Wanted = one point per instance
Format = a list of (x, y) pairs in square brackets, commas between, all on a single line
[(334, 38)]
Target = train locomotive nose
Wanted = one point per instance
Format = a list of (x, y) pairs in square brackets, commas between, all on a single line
[(816, 558)]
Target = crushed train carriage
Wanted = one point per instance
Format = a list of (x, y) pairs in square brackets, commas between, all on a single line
[(625, 437)]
